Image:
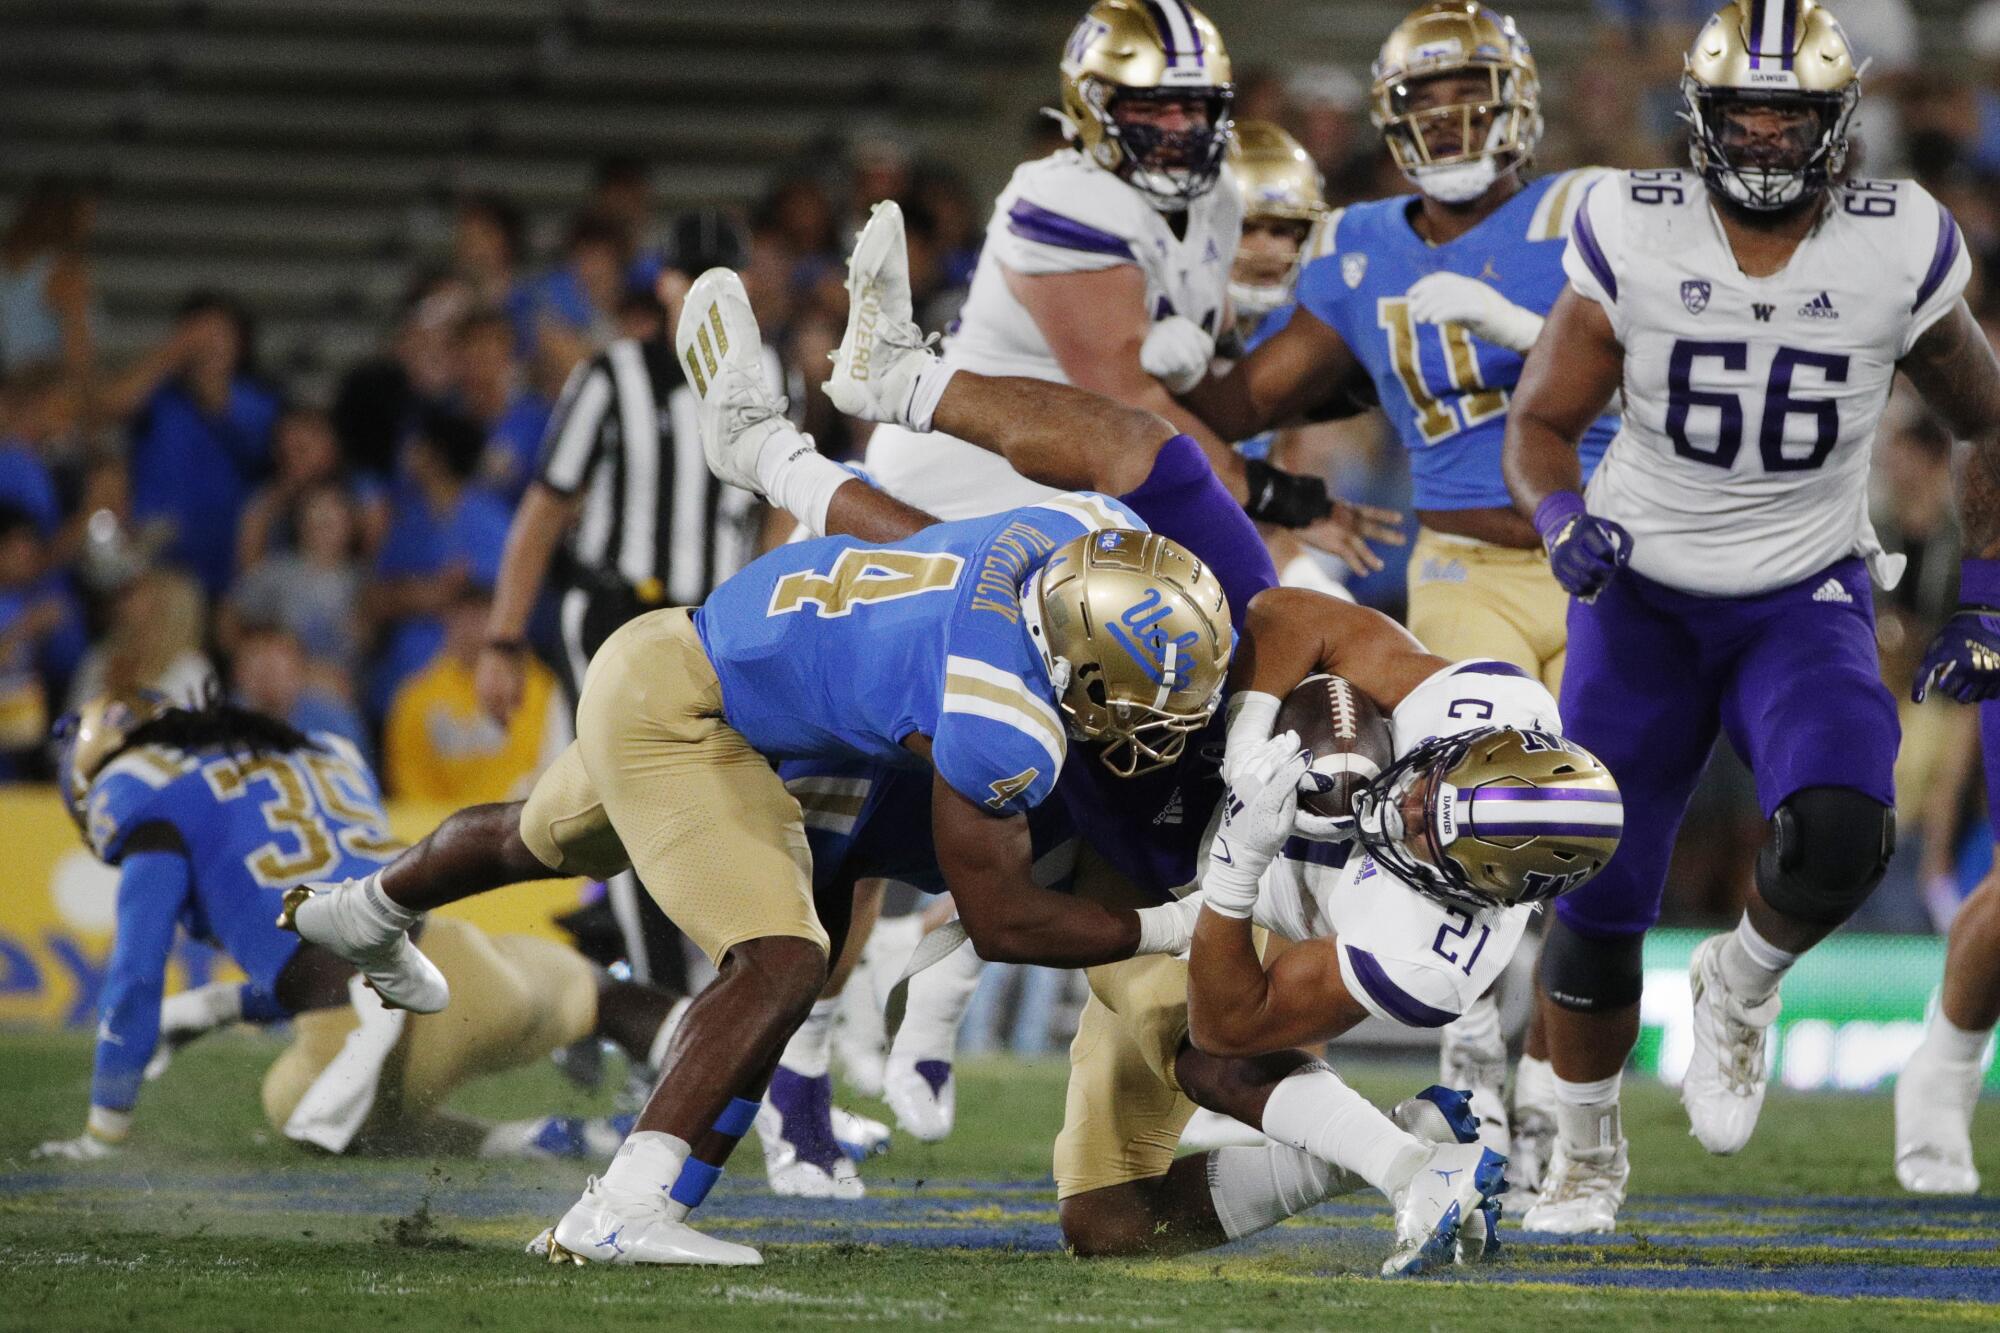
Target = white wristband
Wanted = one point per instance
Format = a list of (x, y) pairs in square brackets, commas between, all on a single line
[(1163, 929), (1229, 891), (925, 395), (1250, 715)]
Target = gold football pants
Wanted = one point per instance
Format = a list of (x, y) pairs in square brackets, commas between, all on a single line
[(1474, 599)]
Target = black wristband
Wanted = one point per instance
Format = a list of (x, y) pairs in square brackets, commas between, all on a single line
[(1284, 498)]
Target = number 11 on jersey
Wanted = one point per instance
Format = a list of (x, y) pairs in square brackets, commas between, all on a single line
[(1472, 403)]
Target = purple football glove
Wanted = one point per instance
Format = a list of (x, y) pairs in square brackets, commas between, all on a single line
[(1584, 551), (1964, 659)]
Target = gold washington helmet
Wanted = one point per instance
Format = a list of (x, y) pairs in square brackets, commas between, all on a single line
[(1136, 637), (1456, 151), (1160, 51), (93, 735), (1787, 57), (1280, 185), (1493, 817)]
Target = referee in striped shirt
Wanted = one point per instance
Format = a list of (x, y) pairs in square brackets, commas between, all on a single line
[(623, 491)]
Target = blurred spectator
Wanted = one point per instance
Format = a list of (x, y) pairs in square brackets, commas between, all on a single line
[(491, 390), (1884, 34), (41, 640), (443, 532), (1045, 135), (1330, 118), (379, 399), (308, 457), (312, 588), (489, 245), (641, 316), (572, 310), (622, 191), (201, 433), (801, 220), (32, 410), (881, 171), (153, 642), (45, 289), (955, 220), (269, 672), (440, 745)]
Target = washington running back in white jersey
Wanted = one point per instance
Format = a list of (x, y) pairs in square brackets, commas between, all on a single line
[(1059, 214), (1407, 957), (1751, 403)]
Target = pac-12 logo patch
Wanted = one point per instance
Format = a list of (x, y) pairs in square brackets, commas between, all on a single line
[(1694, 295), (1353, 268)]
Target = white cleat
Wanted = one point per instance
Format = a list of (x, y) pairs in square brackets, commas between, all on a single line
[(801, 1158), (1441, 1213), (1480, 1069), (1724, 1087), (1581, 1192), (721, 350), (604, 1227), (1934, 1104), (876, 366), (923, 1094), (328, 915)]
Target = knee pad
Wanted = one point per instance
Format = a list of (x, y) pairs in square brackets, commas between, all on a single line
[(1589, 975), (1828, 850)]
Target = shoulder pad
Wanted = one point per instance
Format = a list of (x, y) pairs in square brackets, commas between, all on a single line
[(1559, 202), (129, 792), (1465, 695), (1092, 512)]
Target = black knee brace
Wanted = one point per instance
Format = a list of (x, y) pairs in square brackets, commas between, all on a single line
[(1592, 975), (1829, 847)]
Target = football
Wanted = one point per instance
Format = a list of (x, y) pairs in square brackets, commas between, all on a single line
[(1347, 733)]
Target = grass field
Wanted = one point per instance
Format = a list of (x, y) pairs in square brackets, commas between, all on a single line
[(206, 1223)]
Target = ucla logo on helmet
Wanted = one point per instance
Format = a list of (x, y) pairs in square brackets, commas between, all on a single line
[(1140, 633)]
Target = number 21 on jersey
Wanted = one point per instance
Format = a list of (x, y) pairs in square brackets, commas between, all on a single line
[(1471, 402)]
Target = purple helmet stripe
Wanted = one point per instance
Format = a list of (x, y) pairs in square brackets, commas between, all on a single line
[(1948, 243), (1194, 29), (1585, 236), (1756, 41), (1789, 29), (1398, 1003), (1166, 31), (1034, 223), (1485, 794), (1529, 828)]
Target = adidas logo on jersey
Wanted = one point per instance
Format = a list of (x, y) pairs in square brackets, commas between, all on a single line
[(1833, 591), (1820, 307)]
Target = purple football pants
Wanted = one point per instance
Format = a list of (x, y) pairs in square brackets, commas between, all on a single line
[(1791, 675)]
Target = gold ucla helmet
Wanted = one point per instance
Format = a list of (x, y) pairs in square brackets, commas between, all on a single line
[(1280, 186), (1136, 637), (1455, 152), (1493, 817), (1783, 56), (1128, 51), (89, 738)]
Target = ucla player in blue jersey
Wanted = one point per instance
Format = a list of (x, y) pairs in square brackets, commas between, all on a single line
[(974, 650), (209, 815)]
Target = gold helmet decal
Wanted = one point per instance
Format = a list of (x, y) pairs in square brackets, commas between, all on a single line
[(1453, 150), (1127, 65), (1493, 817), (1282, 192), (1136, 637), (92, 736), (1769, 93)]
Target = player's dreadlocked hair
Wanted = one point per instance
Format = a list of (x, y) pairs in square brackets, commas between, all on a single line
[(215, 723)]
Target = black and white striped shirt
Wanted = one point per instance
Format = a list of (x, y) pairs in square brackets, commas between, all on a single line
[(625, 437)]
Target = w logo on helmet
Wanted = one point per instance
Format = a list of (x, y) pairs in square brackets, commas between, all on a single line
[(1139, 633)]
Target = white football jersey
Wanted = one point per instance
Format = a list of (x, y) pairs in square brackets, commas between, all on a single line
[(1406, 957), (1750, 404), (1059, 214)]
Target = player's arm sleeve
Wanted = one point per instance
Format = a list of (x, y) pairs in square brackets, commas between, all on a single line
[(1065, 222), (576, 427), (998, 744), (152, 887), (1944, 269), (1398, 990), (1592, 259)]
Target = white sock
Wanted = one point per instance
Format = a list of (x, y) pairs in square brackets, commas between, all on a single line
[(925, 394), (888, 952), (202, 1008), (798, 479), (1587, 1113), (936, 1005), (1255, 1188), (1315, 1112), (1534, 1085), (1751, 965), (649, 1160), (375, 907), (1949, 1043), (656, 1054), (810, 1050)]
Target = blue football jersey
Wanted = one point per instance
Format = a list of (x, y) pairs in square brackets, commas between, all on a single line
[(208, 841), (836, 649), (1446, 391)]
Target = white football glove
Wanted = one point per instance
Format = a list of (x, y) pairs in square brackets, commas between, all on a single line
[(1177, 353), (1448, 298), (85, 1147), (1258, 814), (1325, 828)]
